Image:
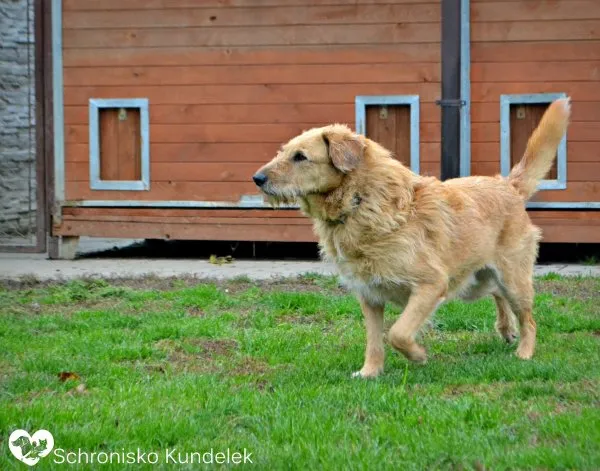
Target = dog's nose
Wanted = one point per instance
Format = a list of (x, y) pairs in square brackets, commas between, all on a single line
[(260, 179)]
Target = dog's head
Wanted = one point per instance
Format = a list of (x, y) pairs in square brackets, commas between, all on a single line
[(314, 162)]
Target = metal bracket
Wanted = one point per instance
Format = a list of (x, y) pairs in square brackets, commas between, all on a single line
[(451, 102)]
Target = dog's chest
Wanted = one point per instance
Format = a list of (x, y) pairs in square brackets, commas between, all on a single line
[(374, 290), (359, 273)]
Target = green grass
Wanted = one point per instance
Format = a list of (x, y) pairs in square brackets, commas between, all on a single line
[(267, 368)]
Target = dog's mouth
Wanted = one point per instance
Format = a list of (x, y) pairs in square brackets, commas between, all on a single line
[(277, 196)]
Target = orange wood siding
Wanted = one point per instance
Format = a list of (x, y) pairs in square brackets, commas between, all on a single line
[(532, 46), (289, 226), (228, 82)]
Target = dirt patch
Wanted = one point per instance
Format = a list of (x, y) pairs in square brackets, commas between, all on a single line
[(299, 320), (217, 347), (195, 311), (153, 282), (209, 347), (582, 289), (180, 358), (250, 366), (480, 389)]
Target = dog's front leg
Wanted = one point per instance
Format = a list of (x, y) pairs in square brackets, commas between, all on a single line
[(423, 301), (375, 353)]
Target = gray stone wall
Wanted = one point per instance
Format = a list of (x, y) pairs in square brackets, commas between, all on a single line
[(17, 119)]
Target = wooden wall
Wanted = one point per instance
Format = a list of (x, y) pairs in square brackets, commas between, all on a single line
[(229, 81), (529, 46)]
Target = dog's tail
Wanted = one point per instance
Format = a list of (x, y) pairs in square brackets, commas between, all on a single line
[(541, 148)]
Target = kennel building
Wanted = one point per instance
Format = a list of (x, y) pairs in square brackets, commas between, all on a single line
[(159, 111)]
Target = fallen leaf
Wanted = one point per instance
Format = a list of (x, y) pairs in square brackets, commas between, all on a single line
[(64, 376), (220, 260)]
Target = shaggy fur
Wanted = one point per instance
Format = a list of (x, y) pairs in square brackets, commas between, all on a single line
[(415, 241)]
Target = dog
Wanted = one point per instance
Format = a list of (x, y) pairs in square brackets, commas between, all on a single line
[(413, 240)]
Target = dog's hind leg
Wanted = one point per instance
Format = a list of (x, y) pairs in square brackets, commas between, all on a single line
[(518, 290), (505, 321), (423, 301), (375, 353)]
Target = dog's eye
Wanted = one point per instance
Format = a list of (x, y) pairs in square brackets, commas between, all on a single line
[(299, 157)]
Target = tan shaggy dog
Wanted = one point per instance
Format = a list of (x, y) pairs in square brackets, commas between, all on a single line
[(399, 237)]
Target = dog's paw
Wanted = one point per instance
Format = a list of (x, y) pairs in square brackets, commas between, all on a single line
[(507, 332), (509, 336), (417, 356), (524, 353), (367, 373)]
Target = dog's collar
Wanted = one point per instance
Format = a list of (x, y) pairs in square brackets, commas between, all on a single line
[(343, 217)]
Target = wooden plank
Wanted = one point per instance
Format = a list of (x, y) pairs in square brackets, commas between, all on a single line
[(490, 112), (166, 191), (255, 74), (302, 114), (536, 31), (91, 5), (225, 191), (553, 231), (535, 51), (431, 169), (430, 152), (570, 222), (158, 218), (317, 54), (534, 71), (576, 152), (135, 230), (566, 215), (535, 11), (109, 144), (579, 91), (222, 152), (576, 192), (584, 171), (576, 171), (313, 114), (485, 168), (166, 133), (178, 171), (274, 93), (578, 132), (132, 213), (253, 36), (574, 234), (280, 15)]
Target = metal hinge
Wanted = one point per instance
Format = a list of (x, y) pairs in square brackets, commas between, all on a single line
[(451, 102)]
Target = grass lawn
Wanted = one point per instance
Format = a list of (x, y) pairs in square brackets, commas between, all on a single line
[(194, 366)]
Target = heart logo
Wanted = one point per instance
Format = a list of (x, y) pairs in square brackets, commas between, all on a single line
[(30, 448)]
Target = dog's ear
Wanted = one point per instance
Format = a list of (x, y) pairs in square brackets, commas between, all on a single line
[(346, 149)]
